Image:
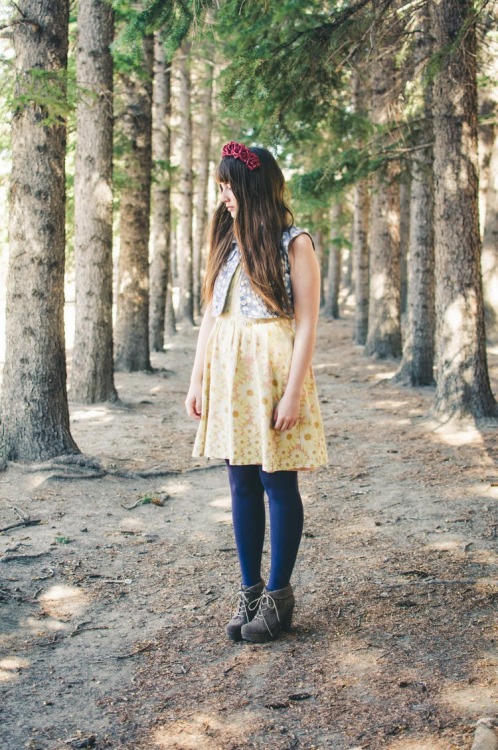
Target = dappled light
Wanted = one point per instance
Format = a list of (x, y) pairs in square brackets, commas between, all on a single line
[(62, 601), (99, 416), (203, 731), (11, 666), (470, 701)]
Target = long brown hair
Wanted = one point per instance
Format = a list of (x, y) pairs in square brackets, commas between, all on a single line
[(262, 216)]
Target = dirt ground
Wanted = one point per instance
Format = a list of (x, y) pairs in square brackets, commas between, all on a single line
[(112, 616)]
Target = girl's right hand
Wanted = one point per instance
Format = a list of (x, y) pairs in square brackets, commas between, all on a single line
[(193, 402)]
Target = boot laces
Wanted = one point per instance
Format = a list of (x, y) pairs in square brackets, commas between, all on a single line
[(265, 605), (244, 605)]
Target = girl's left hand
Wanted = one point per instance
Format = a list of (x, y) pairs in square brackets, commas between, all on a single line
[(286, 413)]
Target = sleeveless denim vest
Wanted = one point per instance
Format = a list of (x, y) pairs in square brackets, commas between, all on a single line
[(251, 304)]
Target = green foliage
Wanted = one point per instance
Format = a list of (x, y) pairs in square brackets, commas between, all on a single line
[(174, 18)]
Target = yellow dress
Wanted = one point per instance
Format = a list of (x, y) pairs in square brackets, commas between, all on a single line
[(246, 368)]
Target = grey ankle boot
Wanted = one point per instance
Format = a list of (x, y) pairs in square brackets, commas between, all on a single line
[(274, 614), (248, 599)]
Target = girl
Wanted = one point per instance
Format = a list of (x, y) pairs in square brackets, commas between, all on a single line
[(252, 387)]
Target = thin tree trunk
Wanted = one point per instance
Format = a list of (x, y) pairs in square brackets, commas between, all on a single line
[(132, 323), (417, 366), (490, 245), (361, 255), (384, 318), (462, 373), (404, 238), (331, 309), (185, 255), (34, 409), (92, 378), (204, 141), (161, 201)]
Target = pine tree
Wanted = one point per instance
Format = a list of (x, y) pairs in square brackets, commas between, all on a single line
[(92, 378), (462, 376), (35, 416)]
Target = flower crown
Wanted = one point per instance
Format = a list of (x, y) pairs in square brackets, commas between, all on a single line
[(239, 151)]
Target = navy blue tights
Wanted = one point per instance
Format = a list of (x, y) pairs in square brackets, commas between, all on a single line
[(247, 486)]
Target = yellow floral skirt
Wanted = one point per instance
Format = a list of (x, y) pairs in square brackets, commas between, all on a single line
[(246, 368)]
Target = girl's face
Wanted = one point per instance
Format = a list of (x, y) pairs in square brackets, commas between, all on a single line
[(229, 199)]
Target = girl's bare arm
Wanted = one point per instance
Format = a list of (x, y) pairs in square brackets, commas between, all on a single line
[(193, 402), (305, 279)]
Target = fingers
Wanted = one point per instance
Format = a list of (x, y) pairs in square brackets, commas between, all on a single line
[(193, 407), (282, 423)]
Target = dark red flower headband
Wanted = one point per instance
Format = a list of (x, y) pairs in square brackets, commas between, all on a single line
[(239, 151)]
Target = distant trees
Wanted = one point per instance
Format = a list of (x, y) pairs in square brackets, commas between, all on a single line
[(357, 98)]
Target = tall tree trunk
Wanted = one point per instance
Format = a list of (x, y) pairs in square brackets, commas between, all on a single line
[(404, 238), (462, 373), (331, 309), (360, 241), (161, 201), (92, 378), (417, 366), (204, 141), (490, 245), (132, 323), (384, 319), (185, 255), (361, 259), (34, 413)]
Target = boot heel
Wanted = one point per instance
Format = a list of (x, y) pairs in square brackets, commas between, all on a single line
[(287, 621)]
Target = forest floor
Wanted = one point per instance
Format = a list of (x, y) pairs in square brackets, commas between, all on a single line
[(112, 616)]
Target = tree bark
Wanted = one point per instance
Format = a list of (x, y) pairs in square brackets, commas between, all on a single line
[(404, 238), (360, 237), (462, 374), (384, 319), (161, 192), (490, 245), (331, 309), (417, 366), (204, 141), (361, 260), (35, 416), (92, 377), (132, 323), (185, 254)]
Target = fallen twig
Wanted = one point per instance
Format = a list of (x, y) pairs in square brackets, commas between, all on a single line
[(28, 522), (22, 558)]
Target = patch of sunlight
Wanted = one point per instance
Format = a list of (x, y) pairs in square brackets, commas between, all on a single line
[(156, 389), (403, 422), (10, 667), (453, 544), (14, 662), (100, 415), (492, 349), (378, 285), (225, 518), (221, 502), (323, 365), (420, 743), (471, 701), (484, 557), (178, 488), (390, 404), (131, 524), (360, 662), (203, 732), (380, 376), (41, 627), (63, 601), (455, 432)]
